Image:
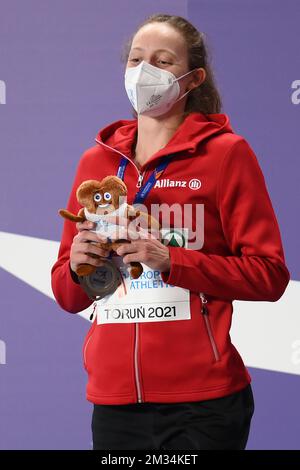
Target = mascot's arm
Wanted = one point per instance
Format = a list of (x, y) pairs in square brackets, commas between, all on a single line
[(80, 217)]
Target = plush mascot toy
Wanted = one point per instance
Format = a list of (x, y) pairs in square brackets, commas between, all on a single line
[(116, 220)]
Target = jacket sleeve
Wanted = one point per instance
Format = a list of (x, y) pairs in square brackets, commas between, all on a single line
[(65, 284), (256, 270)]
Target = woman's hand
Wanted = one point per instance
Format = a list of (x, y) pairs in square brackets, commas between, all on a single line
[(81, 248), (148, 251)]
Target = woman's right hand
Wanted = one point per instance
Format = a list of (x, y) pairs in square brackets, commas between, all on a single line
[(80, 248)]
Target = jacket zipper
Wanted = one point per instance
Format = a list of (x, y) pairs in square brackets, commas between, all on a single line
[(140, 179), (204, 311), (85, 348), (136, 342), (136, 325), (140, 175), (136, 365), (89, 338)]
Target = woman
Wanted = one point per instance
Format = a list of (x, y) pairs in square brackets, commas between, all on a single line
[(176, 384)]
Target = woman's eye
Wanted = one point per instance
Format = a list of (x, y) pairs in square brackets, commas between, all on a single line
[(97, 197), (107, 196), (135, 60)]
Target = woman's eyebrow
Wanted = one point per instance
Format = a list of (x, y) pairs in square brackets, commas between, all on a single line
[(157, 50)]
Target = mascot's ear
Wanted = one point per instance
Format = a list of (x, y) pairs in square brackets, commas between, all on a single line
[(85, 191), (114, 183)]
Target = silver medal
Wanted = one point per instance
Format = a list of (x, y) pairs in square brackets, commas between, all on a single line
[(103, 281)]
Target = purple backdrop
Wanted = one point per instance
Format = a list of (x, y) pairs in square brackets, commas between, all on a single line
[(60, 62), (256, 58)]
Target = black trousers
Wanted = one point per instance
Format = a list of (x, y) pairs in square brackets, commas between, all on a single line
[(217, 424)]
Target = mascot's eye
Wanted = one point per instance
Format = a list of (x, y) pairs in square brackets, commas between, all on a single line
[(97, 197), (107, 196)]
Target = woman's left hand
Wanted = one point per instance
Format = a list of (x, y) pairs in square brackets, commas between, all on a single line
[(148, 251)]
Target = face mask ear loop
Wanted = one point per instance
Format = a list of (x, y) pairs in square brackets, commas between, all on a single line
[(178, 78), (184, 94), (181, 76)]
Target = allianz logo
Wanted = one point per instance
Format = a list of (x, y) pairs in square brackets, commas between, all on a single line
[(193, 183)]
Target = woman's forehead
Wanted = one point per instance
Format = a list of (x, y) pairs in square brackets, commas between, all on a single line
[(158, 36)]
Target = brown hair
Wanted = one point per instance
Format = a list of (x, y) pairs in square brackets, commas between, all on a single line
[(204, 98)]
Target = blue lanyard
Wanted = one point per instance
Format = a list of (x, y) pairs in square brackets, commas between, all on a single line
[(146, 188)]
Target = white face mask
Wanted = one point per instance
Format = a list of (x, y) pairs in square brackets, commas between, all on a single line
[(152, 91)]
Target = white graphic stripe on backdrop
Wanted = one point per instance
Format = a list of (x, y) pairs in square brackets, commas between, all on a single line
[(267, 334)]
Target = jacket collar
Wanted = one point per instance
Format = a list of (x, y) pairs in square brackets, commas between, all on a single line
[(196, 127)]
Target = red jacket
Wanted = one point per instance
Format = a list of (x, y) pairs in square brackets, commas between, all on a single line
[(242, 259)]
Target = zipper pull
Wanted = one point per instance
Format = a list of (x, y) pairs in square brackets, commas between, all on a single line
[(92, 314), (204, 308), (140, 180)]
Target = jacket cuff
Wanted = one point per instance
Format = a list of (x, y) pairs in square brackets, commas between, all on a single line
[(172, 276), (73, 275), (67, 290)]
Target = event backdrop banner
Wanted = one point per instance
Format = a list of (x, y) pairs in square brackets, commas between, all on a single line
[(61, 80)]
